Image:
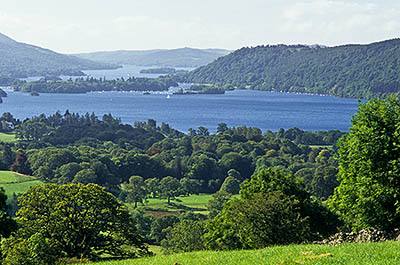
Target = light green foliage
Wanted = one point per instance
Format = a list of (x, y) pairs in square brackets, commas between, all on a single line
[(184, 236), (272, 200), (135, 190), (78, 221), (385, 253), (369, 168), (170, 188), (35, 250), (266, 219)]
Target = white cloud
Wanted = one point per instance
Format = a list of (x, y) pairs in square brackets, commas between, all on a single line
[(340, 21)]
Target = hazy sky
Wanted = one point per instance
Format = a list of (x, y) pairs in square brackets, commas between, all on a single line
[(92, 25)]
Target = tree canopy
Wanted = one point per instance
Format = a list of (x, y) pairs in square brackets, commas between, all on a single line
[(369, 168), (82, 221)]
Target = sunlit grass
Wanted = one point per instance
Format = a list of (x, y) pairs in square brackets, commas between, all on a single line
[(7, 137), (354, 253), (16, 183)]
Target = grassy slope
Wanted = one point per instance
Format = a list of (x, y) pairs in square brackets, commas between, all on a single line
[(160, 207), (7, 137), (365, 253), (16, 183)]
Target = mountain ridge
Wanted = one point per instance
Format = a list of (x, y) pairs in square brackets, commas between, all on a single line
[(351, 70), (22, 60), (180, 57)]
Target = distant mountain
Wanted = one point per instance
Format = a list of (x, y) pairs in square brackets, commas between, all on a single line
[(360, 71), (22, 60), (183, 57)]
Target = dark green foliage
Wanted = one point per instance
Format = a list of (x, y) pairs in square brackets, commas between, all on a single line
[(81, 85), (369, 168), (21, 164), (159, 226), (143, 223), (274, 208), (184, 236), (135, 190), (322, 221), (216, 204), (266, 219), (76, 221), (7, 225), (361, 71), (170, 188), (230, 185)]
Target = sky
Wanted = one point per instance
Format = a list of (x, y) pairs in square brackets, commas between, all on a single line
[(74, 26)]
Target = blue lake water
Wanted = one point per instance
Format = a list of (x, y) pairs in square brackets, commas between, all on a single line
[(266, 110)]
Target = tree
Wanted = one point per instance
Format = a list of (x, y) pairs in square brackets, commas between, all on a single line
[(35, 250), (85, 176), (222, 127), (322, 221), (369, 168), (82, 221), (190, 186), (135, 189), (184, 236), (21, 164), (153, 186), (230, 185), (216, 204), (170, 187), (202, 131), (265, 219), (158, 227)]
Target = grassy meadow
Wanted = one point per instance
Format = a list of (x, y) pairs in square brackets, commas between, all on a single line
[(159, 207), (13, 182), (7, 137), (350, 253)]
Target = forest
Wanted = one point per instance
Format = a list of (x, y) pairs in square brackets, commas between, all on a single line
[(84, 85), (358, 71), (268, 188)]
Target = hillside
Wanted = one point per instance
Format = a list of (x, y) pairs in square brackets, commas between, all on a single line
[(360, 71), (22, 60), (184, 57), (13, 182), (354, 253)]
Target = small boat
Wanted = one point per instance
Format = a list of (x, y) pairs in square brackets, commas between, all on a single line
[(169, 96)]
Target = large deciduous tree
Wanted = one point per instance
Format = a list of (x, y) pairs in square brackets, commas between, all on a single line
[(369, 168), (82, 221), (135, 190)]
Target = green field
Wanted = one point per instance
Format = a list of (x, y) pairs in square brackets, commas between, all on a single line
[(7, 137), (354, 253), (16, 183), (196, 203)]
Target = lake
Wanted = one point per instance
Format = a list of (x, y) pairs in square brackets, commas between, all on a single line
[(266, 110)]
